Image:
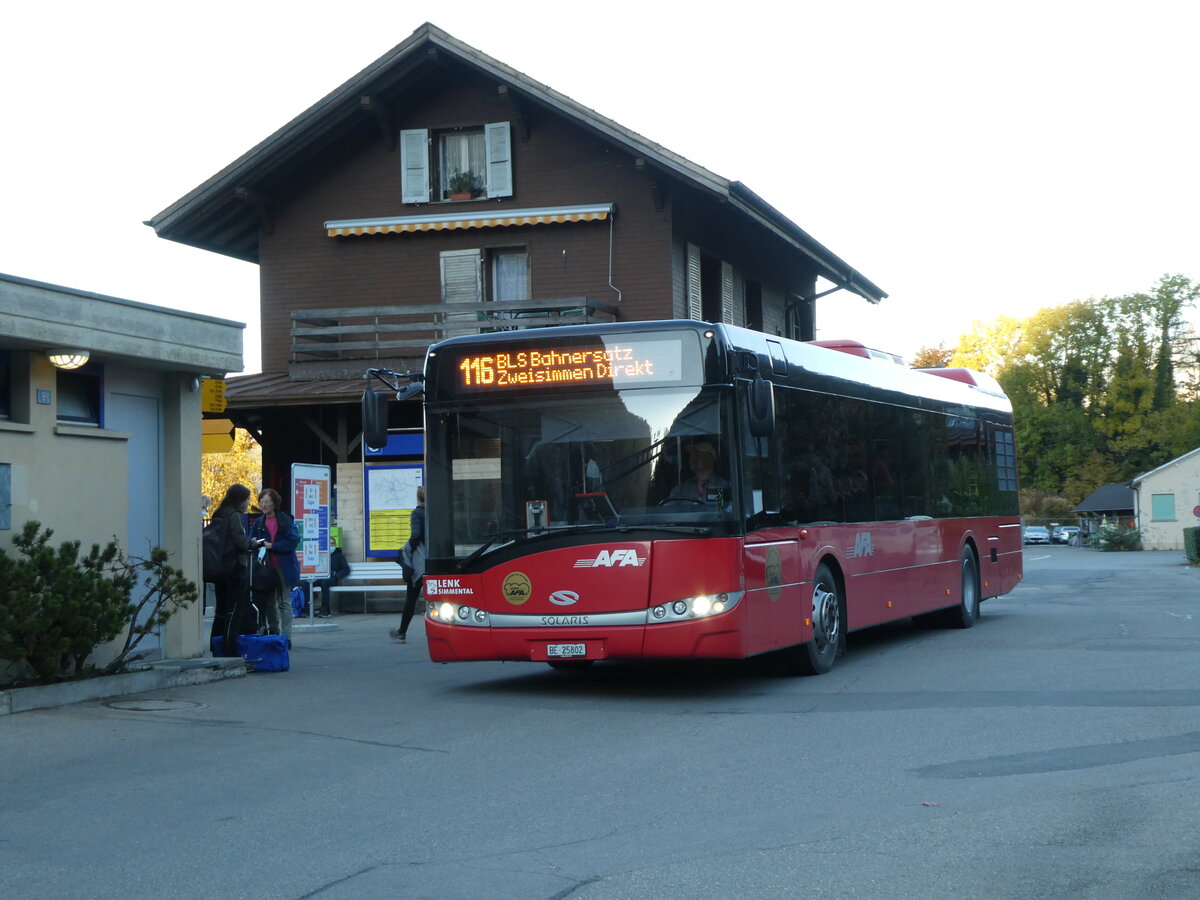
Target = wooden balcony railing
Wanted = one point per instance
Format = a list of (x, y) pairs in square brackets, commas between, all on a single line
[(375, 332)]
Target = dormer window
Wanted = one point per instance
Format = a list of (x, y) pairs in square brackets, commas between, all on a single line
[(456, 164)]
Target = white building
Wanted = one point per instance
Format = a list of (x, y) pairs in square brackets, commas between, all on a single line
[(110, 448), (1167, 501)]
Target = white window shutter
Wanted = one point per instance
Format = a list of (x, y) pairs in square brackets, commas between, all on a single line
[(727, 294), (694, 308), (462, 276), (499, 160), (414, 165)]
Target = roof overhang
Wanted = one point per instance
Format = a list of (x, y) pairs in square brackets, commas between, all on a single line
[(38, 316)]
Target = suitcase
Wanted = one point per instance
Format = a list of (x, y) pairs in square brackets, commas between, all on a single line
[(243, 620), (264, 652)]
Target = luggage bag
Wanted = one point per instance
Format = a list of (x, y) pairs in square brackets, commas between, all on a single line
[(264, 652)]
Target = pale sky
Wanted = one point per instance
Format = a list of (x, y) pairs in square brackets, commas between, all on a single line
[(971, 159)]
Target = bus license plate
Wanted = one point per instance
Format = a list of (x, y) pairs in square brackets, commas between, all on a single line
[(566, 651)]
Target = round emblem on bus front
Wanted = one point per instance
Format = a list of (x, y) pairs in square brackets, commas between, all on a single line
[(516, 587)]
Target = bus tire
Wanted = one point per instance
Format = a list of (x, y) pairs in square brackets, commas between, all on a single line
[(816, 657), (570, 665), (967, 612)]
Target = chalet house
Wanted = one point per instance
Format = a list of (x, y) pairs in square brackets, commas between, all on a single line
[(440, 191)]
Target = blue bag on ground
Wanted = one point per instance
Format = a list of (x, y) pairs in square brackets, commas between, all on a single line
[(264, 652), (299, 606)]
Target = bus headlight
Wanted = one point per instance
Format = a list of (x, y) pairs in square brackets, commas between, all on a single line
[(456, 614), (700, 607)]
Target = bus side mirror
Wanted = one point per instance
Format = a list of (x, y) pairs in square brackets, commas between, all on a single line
[(374, 418), (762, 408)]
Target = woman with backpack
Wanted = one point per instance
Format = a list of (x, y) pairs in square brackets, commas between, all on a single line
[(232, 588)]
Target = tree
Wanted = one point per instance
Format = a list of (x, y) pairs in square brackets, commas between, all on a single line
[(241, 465), (988, 346), (1102, 389), (932, 357)]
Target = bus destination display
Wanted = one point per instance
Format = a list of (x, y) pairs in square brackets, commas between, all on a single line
[(620, 363)]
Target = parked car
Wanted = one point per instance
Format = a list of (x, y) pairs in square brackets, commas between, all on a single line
[(1037, 534), (1064, 534)]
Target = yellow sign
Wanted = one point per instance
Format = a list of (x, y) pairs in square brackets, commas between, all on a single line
[(216, 443), (212, 395), (216, 426), (216, 436)]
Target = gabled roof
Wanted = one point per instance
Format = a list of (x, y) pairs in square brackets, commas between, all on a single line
[(1108, 498), (1167, 465), (223, 213)]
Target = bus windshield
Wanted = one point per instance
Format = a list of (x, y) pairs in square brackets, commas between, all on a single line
[(524, 466)]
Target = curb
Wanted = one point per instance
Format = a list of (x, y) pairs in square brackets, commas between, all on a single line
[(164, 674)]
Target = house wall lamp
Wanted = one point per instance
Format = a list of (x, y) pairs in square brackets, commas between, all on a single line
[(68, 359)]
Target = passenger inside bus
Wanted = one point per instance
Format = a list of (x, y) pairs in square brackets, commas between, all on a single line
[(705, 486)]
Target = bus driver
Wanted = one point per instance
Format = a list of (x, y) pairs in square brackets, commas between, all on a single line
[(705, 486)]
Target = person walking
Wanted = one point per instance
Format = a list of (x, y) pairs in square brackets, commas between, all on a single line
[(412, 561), (232, 591), (275, 532)]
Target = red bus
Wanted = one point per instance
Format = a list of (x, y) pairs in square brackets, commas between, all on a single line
[(683, 490)]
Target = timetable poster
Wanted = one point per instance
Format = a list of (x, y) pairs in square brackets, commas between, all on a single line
[(310, 506), (391, 495)]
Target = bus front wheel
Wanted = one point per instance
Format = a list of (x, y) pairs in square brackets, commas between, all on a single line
[(816, 657), (967, 611)]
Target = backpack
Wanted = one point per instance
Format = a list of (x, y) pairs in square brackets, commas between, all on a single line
[(219, 556)]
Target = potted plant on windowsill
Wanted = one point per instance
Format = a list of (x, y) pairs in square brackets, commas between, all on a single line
[(462, 185)]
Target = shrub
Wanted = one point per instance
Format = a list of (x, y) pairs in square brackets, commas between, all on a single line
[(1191, 544), (56, 607), (1119, 537)]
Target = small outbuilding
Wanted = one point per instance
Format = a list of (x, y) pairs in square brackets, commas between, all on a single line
[(1167, 501), (1109, 504), (100, 423)]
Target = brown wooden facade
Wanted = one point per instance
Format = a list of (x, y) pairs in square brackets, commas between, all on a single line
[(678, 241)]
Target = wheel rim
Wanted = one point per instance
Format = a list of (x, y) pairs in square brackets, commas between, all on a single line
[(826, 618)]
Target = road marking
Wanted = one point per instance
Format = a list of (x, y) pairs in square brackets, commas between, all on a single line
[(1036, 558)]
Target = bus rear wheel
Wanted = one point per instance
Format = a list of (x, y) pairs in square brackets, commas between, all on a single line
[(816, 657)]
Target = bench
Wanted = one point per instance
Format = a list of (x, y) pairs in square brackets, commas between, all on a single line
[(367, 577)]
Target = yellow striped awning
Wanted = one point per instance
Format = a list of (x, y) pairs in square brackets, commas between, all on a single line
[(476, 218)]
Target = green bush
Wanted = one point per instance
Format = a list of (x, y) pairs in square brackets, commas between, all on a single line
[(56, 607), (1119, 537), (1191, 544)]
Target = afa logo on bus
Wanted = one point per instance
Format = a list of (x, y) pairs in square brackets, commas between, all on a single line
[(862, 546), (610, 558)]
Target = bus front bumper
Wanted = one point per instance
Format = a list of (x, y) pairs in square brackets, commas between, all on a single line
[(712, 638)]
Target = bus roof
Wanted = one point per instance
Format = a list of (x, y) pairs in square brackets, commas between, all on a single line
[(788, 359)]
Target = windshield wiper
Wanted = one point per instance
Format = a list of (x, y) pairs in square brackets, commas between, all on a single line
[(674, 529), (525, 532), (554, 530)]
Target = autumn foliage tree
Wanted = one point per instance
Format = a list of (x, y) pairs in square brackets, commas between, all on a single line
[(240, 465), (1102, 389), (932, 357)]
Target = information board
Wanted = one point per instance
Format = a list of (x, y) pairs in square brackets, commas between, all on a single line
[(310, 506), (390, 495)]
